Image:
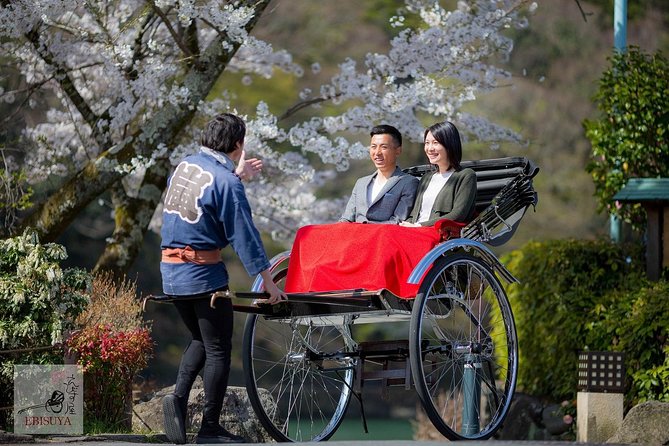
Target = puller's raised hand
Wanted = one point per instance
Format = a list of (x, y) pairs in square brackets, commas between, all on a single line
[(248, 168)]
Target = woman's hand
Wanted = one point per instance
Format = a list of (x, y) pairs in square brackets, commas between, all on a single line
[(248, 168)]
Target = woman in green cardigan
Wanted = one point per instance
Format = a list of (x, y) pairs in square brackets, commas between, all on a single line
[(450, 191)]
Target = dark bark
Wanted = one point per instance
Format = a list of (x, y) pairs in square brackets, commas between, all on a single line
[(132, 216)]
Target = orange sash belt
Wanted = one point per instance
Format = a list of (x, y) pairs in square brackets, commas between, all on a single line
[(189, 255)]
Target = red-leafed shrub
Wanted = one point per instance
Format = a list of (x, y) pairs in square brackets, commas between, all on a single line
[(110, 359)]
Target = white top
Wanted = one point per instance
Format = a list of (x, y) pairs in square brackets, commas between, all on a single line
[(436, 183), (375, 187)]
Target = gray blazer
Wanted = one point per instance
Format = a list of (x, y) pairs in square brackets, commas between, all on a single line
[(392, 205)]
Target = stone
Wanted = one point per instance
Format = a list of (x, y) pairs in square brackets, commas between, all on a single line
[(237, 415), (599, 415), (524, 419), (645, 423), (553, 420), (9, 437)]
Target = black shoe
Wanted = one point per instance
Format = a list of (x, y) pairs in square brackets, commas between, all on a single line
[(174, 419), (217, 436)]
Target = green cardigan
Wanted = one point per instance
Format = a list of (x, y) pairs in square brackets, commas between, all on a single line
[(455, 201)]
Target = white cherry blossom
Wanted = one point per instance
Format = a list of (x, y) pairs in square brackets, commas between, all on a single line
[(126, 66)]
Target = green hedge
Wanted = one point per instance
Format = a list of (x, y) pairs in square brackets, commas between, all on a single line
[(577, 295)]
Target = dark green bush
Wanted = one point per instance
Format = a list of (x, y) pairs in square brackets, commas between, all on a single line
[(629, 138), (565, 291), (637, 323)]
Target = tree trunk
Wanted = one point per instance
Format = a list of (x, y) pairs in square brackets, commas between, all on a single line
[(132, 216)]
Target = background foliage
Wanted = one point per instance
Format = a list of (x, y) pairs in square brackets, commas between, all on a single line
[(587, 295), (15, 195), (556, 64), (631, 137)]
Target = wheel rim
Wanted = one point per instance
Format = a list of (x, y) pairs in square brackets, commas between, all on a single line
[(464, 356), (304, 373)]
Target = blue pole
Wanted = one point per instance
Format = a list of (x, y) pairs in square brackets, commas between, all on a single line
[(471, 399), (620, 44), (620, 25)]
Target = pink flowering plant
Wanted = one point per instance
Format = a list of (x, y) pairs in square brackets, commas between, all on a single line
[(110, 359), (568, 412)]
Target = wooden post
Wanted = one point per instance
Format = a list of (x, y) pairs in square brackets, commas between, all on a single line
[(665, 237), (654, 241)]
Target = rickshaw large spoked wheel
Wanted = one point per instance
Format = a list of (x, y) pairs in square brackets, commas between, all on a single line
[(463, 348), (299, 375)]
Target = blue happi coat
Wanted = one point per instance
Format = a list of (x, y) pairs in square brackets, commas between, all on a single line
[(206, 208)]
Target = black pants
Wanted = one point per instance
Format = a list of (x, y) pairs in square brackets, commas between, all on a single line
[(209, 350)]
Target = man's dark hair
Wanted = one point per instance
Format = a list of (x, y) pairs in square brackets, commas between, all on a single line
[(387, 130), (223, 133), (449, 137)]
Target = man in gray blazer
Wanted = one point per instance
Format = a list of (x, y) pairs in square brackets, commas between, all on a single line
[(388, 194)]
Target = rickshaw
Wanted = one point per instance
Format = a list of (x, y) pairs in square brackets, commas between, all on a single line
[(303, 363)]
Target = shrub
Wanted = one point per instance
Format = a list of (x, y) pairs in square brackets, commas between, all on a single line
[(39, 303), (114, 303), (629, 139), (565, 288), (110, 359), (112, 346), (653, 384), (637, 323)]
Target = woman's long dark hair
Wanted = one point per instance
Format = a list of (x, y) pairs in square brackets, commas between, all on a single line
[(449, 137)]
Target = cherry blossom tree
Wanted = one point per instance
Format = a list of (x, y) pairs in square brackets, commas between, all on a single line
[(132, 78)]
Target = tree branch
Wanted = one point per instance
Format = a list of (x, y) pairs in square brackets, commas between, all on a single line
[(300, 105), (583, 13), (132, 216), (30, 91), (69, 88), (171, 30), (137, 47), (192, 39)]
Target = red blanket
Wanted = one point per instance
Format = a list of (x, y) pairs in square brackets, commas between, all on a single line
[(345, 256)]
